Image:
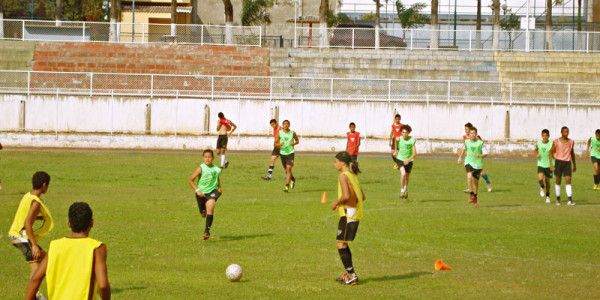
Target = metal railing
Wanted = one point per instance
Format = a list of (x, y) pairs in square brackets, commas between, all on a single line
[(303, 89), (469, 40), (68, 31)]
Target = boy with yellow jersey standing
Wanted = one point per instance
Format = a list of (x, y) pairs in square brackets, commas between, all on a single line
[(286, 140), (205, 181), (476, 151), (594, 147), (405, 154), (75, 267), (542, 152), (31, 209), (350, 208)]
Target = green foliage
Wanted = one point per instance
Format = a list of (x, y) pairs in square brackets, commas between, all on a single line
[(510, 22), (411, 17), (254, 12), (72, 10), (368, 17), (334, 20)]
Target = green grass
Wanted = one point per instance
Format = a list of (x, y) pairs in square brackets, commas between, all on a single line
[(512, 246)]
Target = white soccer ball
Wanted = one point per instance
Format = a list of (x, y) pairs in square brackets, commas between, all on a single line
[(234, 272)]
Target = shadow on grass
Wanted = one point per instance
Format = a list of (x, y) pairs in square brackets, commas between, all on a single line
[(242, 237), (435, 200), (396, 277), (505, 205), (131, 288)]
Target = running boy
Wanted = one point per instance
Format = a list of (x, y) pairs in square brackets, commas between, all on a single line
[(562, 151), (394, 134), (75, 265), (350, 208), (468, 127), (476, 151), (31, 209), (207, 185), (287, 139), (353, 141), (594, 147), (275, 152), (405, 154), (225, 128), (542, 153)]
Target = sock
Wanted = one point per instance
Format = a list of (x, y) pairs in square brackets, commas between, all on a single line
[(597, 179), (346, 257), (569, 190), (547, 194), (557, 189), (270, 171), (472, 194), (209, 220), (487, 180), (402, 189), (541, 185), (475, 195)]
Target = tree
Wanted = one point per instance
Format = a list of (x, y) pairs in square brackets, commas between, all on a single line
[(496, 28), (510, 24), (410, 17), (368, 17), (478, 26), (115, 20), (254, 13), (435, 34), (549, 43), (377, 18), (228, 22), (334, 20), (173, 17), (323, 9)]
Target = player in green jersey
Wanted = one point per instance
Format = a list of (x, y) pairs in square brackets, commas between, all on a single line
[(207, 184), (542, 153), (593, 146), (476, 151), (287, 139), (405, 152)]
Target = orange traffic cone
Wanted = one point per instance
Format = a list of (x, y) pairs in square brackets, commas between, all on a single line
[(324, 198), (440, 266)]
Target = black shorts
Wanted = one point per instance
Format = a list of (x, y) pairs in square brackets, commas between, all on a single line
[(26, 250), (407, 168), (546, 171), (346, 231), (562, 168), (287, 159), (595, 160), (476, 172), (202, 200), (275, 151), (222, 142), (393, 146), (354, 157)]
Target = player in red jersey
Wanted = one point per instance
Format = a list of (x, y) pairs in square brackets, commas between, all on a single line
[(394, 134), (275, 152), (484, 175), (353, 142)]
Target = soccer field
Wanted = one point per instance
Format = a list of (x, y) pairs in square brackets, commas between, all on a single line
[(512, 246)]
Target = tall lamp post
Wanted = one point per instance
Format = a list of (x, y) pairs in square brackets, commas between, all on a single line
[(295, 18), (133, 21), (454, 23)]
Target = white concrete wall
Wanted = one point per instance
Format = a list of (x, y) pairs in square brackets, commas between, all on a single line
[(310, 119)]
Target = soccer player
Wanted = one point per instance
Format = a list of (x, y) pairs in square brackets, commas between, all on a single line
[(207, 185), (468, 127), (405, 155), (353, 141), (31, 209), (350, 208), (542, 152), (562, 152), (476, 151), (394, 134), (75, 266), (594, 147), (286, 140), (275, 152), (225, 128)]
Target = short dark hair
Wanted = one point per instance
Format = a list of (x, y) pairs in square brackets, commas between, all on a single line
[(286, 121), (546, 131), (397, 116), (80, 216), (273, 121), (407, 127), (564, 127), (352, 123), (39, 178), (208, 151), (469, 125), (346, 158), (221, 115), (473, 128), (597, 131)]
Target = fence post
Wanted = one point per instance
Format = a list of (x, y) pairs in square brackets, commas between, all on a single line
[(352, 38), (112, 111), (411, 39), (28, 82), (510, 95), (301, 114), (201, 35), (331, 91), (448, 91), (176, 109), (23, 30), (83, 33), (587, 42), (56, 119), (569, 95), (470, 40), (239, 113), (260, 36), (389, 90), (151, 85)]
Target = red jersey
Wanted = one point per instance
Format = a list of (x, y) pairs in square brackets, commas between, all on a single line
[(226, 123), (466, 137), (276, 133), (353, 139), (397, 130), (563, 150)]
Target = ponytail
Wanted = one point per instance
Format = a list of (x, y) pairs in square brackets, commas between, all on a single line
[(354, 167), (345, 157)]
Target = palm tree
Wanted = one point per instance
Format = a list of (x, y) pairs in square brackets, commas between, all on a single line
[(496, 33), (549, 43), (173, 16), (478, 26), (410, 17), (254, 13), (435, 34), (115, 20), (228, 22), (377, 18), (57, 12), (323, 23)]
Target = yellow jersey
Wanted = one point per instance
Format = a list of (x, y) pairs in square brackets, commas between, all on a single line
[(358, 191), (18, 225), (70, 267)]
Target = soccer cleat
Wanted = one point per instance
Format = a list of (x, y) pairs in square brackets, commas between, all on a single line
[(40, 296), (471, 198), (489, 187), (266, 177), (475, 204), (571, 203), (351, 280), (293, 183), (405, 194), (466, 191), (395, 166), (596, 187), (343, 278), (203, 214), (547, 199), (401, 195), (226, 164), (557, 202), (286, 189), (206, 236), (542, 193)]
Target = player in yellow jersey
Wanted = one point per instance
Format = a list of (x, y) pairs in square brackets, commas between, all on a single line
[(205, 181), (350, 208), (75, 267), (32, 222)]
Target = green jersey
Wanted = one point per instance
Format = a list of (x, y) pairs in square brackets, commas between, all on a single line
[(286, 139), (209, 179), (595, 147), (544, 152), (472, 149), (405, 148)]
